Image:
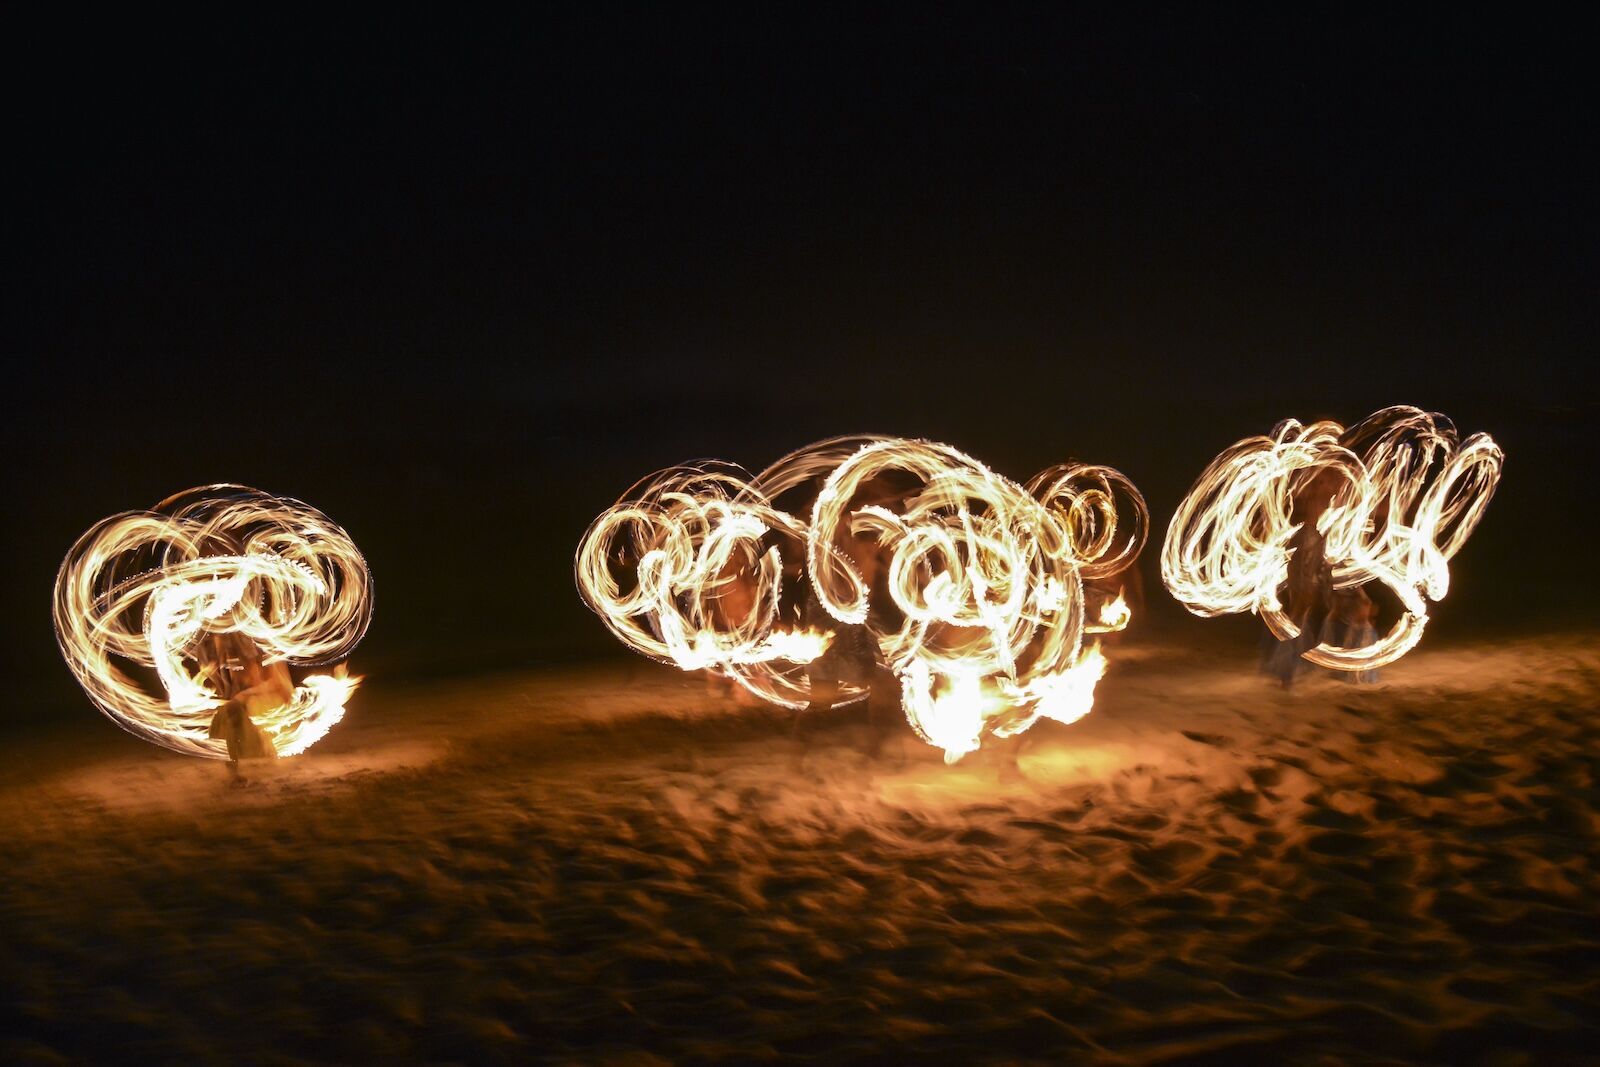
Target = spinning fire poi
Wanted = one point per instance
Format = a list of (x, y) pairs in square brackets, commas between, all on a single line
[(210, 596), (1389, 500), (979, 606)]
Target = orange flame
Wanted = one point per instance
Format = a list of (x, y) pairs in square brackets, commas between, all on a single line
[(1114, 616)]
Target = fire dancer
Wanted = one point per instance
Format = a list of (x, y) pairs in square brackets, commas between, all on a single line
[(731, 608), (853, 657), (1352, 623), (248, 687), (1308, 591)]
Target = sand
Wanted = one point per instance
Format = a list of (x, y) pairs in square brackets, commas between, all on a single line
[(612, 866)]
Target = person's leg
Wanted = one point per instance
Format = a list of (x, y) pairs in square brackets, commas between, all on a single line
[(1010, 769), (824, 693), (1282, 664), (1266, 653), (1290, 664), (883, 707)]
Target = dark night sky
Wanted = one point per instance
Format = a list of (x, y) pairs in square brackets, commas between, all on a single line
[(459, 285)]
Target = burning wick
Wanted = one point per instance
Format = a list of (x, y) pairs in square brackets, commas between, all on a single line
[(1114, 616), (983, 578), (210, 576), (1392, 500)]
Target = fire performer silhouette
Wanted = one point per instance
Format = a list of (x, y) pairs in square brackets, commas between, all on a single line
[(853, 657), (247, 684), (1308, 592)]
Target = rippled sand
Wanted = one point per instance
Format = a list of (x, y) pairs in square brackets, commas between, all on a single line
[(619, 868)]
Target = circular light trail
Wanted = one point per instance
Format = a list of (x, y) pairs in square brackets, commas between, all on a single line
[(983, 613), (1394, 498), (142, 596)]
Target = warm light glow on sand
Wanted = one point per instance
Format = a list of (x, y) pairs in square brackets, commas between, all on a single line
[(146, 587), (984, 577), (1399, 498)]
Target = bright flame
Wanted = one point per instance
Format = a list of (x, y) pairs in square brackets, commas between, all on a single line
[(952, 714), (149, 587), (797, 646), (1068, 695), (1114, 616), (1397, 495), (984, 577)]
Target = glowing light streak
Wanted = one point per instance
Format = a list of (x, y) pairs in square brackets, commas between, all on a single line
[(1394, 498), (1114, 616), (144, 590), (984, 614), (706, 582)]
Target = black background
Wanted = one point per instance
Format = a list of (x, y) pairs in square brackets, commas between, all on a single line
[(459, 282)]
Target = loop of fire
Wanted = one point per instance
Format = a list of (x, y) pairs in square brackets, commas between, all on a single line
[(976, 592), (178, 618), (1375, 511)]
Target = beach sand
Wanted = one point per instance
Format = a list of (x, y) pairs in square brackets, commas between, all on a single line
[(612, 866)]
